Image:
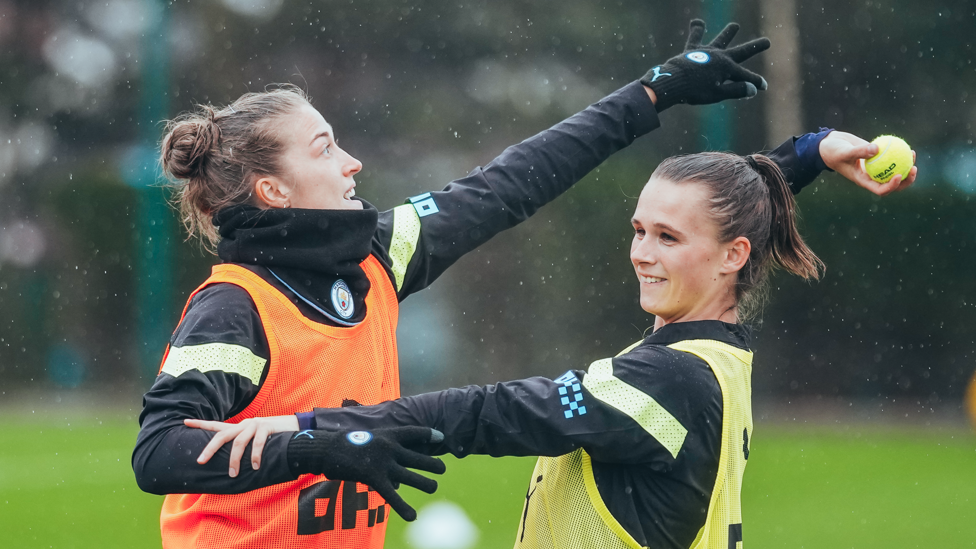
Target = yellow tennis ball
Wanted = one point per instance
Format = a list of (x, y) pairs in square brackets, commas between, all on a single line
[(894, 157)]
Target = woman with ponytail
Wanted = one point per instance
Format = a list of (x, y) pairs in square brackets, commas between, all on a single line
[(647, 448)]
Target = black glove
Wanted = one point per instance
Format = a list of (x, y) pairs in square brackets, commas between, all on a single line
[(706, 74), (376, 458)]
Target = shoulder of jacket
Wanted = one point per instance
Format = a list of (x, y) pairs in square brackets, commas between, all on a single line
[(663, 368)]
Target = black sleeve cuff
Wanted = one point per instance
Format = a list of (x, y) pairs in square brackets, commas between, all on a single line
[(645, 111)]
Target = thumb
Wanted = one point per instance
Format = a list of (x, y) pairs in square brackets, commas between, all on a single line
[(415, 434), (857, 152), (737, 90)]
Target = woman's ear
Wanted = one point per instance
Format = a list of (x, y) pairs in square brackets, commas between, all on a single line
[(272, 192), (736, 254)]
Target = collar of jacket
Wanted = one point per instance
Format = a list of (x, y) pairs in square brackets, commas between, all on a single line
[(309, 249), (737, 335)]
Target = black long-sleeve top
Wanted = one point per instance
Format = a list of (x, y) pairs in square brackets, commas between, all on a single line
[(453, 222), (658, 495)]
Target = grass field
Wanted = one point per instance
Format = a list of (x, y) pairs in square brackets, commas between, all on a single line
[(70, 485)]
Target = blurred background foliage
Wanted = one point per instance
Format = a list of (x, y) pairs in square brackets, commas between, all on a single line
[(424, 92)]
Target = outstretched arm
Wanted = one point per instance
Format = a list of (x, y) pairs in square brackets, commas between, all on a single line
[(430, 233), (803, 158), (540, 416), (421, 239)]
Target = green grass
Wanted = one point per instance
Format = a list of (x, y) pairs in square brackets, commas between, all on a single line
[(71, 485), (861, 488)]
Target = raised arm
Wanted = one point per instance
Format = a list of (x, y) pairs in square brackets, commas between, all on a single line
[(804, 157), (449, 223), (424, 237)]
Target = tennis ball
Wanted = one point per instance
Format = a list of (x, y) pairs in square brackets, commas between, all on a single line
[(894, 157)]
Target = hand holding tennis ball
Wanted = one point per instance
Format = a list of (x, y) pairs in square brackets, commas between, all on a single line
[(894, 157), (845, 153)]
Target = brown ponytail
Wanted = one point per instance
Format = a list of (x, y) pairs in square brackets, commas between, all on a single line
[(789, 251), (749, 197), (214, 155)]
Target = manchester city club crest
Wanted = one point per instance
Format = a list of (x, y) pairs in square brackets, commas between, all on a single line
[(359, 437), (342, 299)]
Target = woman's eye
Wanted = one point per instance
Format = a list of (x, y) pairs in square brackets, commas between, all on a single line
[(639, 233), (667, 238), (327, 149)]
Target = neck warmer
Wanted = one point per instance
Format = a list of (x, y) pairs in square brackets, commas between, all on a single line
[(309, 250)]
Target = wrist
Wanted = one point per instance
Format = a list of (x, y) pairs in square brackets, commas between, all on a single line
[(650, 94), (813, 142), (305, 420), (305, 451), (668, 88)]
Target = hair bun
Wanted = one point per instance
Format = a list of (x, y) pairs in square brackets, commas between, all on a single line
[(189, 142)]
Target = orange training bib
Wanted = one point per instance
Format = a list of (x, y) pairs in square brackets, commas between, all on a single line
[(311, 366)]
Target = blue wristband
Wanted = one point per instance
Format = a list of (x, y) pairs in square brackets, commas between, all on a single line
[(306, 420), (807, 148)]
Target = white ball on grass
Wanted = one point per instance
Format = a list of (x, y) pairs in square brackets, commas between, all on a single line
[(442, 525)]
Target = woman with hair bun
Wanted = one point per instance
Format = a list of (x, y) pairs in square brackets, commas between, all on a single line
[(301, 314), (647, 448)]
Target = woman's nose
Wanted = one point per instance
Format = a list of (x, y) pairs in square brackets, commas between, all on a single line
[(352, 166), (643, 253)]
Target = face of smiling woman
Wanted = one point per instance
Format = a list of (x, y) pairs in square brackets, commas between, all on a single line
[(316, 173), (685, 272)]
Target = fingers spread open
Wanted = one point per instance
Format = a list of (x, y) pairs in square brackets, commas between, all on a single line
[(257, 449), (237, 449), (391, 496), (415, 460), (725, 37), (696, 29), (744, 51), (221, 438), (416, 480)]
